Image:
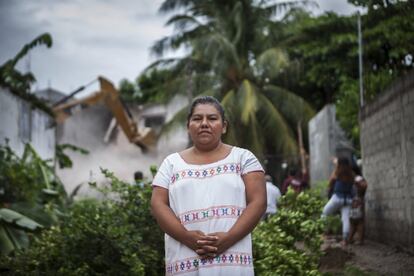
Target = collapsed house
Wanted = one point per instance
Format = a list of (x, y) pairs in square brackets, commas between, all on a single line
[(121, 138)]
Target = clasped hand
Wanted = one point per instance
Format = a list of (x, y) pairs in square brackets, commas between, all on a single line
[(209, 245)]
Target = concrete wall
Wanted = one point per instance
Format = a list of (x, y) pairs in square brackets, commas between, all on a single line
[(326, 140), (387, 142), (21, 124)]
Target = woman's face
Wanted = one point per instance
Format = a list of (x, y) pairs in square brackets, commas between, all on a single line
[(205, 125)]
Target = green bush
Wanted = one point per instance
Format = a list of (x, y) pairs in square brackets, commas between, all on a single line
[(289, 242), (118, 236), (31, 197), (114, 236), (27, 178)]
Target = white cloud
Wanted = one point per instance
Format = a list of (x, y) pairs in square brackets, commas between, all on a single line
[(91, 38), (340, 7)]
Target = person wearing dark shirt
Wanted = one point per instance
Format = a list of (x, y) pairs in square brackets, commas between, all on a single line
[(293, 181)]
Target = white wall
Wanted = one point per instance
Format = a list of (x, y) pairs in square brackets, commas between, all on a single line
[(326, 141), (41, 134)]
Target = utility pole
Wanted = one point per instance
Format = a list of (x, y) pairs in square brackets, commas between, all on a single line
[(302, 152), (361, 81)]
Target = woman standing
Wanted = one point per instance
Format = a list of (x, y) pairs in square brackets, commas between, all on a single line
[(208, 198), (341, 188)]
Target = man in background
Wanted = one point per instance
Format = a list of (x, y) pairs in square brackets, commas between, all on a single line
[(273, 194)]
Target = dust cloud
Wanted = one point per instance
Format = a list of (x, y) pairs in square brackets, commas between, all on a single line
[(120, 157)]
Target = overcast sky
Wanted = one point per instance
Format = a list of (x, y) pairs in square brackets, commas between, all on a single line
[(111, 38)]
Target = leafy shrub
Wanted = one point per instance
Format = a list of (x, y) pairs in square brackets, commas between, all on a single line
[(27, 178), (333, 225), (288, 243), (114, 236), (31, 197)]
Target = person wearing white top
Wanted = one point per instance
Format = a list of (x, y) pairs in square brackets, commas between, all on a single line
[(273, 195), (208, 198)]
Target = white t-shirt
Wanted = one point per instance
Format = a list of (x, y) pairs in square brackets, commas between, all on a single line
[(209, 198), (273, 194)]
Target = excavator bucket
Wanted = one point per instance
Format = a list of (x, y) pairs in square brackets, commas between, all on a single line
[(147, 140), (108, 95)]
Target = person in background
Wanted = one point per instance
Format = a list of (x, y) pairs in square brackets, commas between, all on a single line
[(208, 198), (340, 186), (294, 181), (139, 178), (273, 195), (357, 215)]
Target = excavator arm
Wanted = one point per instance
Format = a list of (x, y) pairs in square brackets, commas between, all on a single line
[(109, 96)]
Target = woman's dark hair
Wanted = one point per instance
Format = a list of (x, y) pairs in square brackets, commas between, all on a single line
[(344, 170), (206, 100)]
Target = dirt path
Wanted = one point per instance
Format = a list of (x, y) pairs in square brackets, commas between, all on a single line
[(372, 258)]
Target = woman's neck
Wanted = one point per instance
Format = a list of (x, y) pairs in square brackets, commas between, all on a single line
[(207, 149)]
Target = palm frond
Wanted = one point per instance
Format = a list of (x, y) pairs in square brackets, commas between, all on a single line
[(218, 47), (229, 104), (182, 21), (255, 139), (280, 7), (247, 95), (291, 104), (277, 130), (174, 42), (271, 62), (238, 18), (43, 39), (161, 64)]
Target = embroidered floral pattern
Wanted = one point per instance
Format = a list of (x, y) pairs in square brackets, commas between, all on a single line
[(204, 173), (194, 264), (214, 212)]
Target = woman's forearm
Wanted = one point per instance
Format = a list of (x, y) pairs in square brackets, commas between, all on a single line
[(168, 222), (247, 221), (243, 226)]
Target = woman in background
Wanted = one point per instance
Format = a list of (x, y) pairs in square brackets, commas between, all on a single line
[(341, 188)]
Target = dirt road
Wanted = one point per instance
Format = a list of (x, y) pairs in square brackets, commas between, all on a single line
[(372, 258)]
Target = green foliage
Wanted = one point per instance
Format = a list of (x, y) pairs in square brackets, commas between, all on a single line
[(355, 271), (32, 194), (63, 159), (19, 83), (351, 270), (231, 57), (288, 243), (149, 87), (13, 228), (29, 178), (325, 51), (113, 236), (333, 225)]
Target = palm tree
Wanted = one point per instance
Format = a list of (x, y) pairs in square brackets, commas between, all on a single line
[(231, 55)]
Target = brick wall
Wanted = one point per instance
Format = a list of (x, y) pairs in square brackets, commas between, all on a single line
[(387, 143)]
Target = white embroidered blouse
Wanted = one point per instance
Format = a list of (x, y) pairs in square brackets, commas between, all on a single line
[(209, 198)]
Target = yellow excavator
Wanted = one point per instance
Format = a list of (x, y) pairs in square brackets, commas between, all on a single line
[(109, 96)]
